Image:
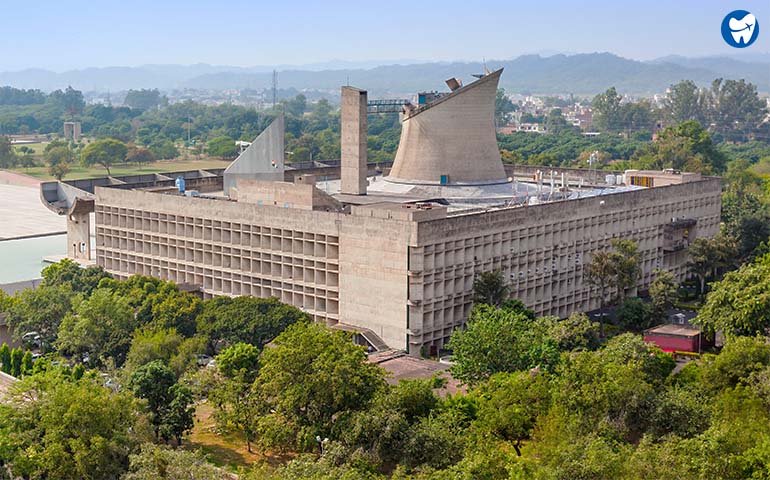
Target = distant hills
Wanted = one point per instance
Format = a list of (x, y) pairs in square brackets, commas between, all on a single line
[(580, 74)]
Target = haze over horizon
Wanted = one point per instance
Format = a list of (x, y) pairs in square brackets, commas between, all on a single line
[(74, 35)]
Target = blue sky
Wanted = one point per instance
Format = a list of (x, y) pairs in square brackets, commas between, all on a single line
[(67, 34)]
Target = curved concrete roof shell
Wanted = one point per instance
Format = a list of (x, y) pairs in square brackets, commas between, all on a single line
[(452, 137)]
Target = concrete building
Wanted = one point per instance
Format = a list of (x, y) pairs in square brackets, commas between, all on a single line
[(72, 131), (394, 256)]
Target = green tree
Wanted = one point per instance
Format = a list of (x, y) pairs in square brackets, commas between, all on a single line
[(59, 160), (680, 411), (105, 152), (490, 288), (26, 363), (636, 116), (609, 390), (615, 270), (497, 340), (600, 274), (295, 106), (736, 365), (223, 147), (168, 402), (139, 155), (626, 263), (608, 110), (5, 358), (54, 427), (144, 99), (577, 332), (704, 258), (59, 170), (510, 404), (100, 328), (687, 146), (751, 230), (70, 100), (152, 343), (226, 321), (70, 273), (17, 355), (180, 414), (163, 149), (684, 101), (8, 157), (555, 122), (740, 303), (503, 108), (40, 310), (239, 361), (321, 375), (158, 463), (662, 293), (737, 109), (237, 404), (634, 314)]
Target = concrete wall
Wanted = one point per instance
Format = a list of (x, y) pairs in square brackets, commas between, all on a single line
[(225, 247), (353, 139), (262, 160), (404, 273), (303, 196), (542, 250), (454, 136), (373, 275)]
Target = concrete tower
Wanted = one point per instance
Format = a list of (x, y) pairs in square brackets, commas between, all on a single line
[(354, 133), (451, 140)]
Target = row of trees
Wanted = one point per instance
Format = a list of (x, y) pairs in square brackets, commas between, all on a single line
[(547, 398), (142, 339), (687, 146), (732, 109)]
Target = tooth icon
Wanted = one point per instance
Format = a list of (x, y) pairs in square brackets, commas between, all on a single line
[(743, 29)]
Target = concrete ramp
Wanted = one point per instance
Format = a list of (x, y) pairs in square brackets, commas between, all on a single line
[(262, 160), (364, 335)]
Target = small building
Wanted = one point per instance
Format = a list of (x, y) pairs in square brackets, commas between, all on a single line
[(72, 131), (677, 338)]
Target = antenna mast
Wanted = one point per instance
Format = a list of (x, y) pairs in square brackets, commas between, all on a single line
[(275, 82)]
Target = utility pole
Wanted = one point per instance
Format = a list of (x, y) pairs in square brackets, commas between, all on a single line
[(275, 82)]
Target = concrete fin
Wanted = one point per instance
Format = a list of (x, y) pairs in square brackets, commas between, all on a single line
[(262, 160)]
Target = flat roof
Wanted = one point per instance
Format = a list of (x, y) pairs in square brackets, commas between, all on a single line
[(401, 366), (674, 330)]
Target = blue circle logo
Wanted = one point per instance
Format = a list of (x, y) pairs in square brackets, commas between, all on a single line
[(740, 29)]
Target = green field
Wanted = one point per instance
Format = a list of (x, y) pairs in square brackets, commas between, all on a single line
[(37, 148), (79, 171)]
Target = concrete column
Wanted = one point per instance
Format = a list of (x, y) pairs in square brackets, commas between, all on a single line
[(354, 133), (79, 236)]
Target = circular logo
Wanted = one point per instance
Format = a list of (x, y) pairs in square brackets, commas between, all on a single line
[(740, 28)]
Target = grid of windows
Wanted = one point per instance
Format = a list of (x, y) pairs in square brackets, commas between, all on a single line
[(222, 257), (543, 261)]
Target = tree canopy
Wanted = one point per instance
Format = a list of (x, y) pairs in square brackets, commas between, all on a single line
[(105, 152)]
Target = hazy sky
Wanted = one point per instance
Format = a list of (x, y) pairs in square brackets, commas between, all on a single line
[(66, 34)]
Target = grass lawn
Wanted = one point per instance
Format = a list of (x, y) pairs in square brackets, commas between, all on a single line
[(37, 148), (223, 450), (179, 164)]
